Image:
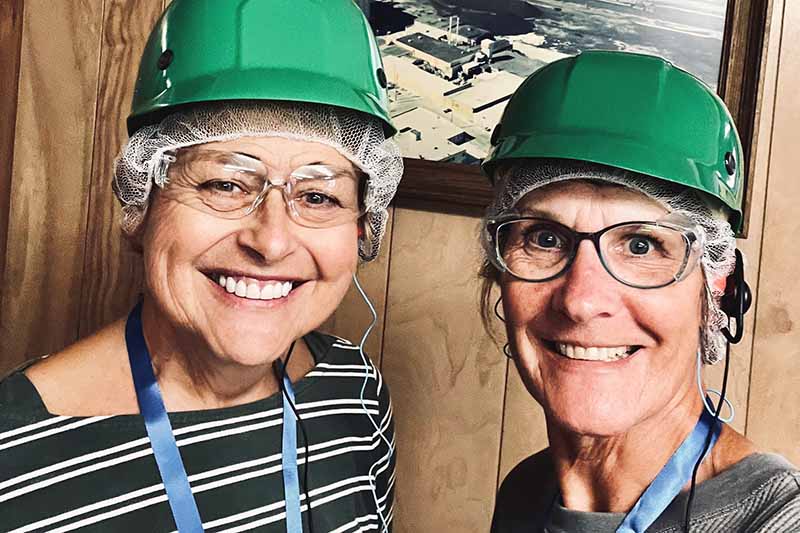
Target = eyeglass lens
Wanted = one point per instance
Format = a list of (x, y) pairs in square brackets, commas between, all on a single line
[(232, 185), (637, 254)]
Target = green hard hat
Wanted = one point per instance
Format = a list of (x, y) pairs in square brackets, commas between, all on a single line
[(317, 51), (630, 111)]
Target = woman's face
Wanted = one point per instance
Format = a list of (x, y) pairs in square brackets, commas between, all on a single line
[(586, 307), (186, 251)]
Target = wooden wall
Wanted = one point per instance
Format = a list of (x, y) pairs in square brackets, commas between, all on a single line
[(463, 416)]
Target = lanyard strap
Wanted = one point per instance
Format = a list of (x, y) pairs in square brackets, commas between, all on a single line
[(675, 474), (291, 479), (159, 430)]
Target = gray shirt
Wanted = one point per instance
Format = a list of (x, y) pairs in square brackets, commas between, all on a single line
[(759, 494)]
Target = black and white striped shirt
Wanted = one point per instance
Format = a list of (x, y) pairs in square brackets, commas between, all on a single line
[(63, 473)]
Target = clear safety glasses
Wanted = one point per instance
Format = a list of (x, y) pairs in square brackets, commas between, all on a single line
[(232, 185), (644, 255)]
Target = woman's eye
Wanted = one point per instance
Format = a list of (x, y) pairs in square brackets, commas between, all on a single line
[(225, 187), (319, 199), (639, 246), (544, 239)]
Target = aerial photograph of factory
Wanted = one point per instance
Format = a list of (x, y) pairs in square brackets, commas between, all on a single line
[(452, 65)]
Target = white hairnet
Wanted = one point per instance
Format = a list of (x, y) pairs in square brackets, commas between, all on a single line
[(357, 136)]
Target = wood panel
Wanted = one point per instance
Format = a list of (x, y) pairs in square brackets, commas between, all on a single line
[(774, 417), (10, 41), (52, 165), (446, 376), (741, 354), (112, 271), (454, 185)]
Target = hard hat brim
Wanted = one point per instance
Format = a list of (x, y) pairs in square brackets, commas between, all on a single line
[(281, 84)]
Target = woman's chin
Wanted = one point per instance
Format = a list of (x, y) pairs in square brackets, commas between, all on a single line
[(594, 418), (252, 350)]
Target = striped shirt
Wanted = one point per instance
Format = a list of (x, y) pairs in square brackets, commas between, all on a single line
[(66, 473)]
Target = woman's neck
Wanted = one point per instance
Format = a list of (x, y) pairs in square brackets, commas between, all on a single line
[(191, 377), (609, 474)]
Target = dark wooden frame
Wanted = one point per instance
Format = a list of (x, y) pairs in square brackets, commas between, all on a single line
[(455, 187)]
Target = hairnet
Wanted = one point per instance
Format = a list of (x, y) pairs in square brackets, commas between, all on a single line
[(357, 136)]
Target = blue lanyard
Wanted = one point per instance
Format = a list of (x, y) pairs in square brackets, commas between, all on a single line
[(159, 430), (675, 474), (291, 479)]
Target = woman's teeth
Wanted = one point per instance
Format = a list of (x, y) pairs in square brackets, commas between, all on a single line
[(253, 290), (593, 353)]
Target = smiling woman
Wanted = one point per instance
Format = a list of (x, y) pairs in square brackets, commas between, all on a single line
[(642, 160), (252, 184)]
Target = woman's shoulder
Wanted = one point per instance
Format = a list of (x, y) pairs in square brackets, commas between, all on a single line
[(344, 367), (93, 372), (322, 344), (758, 473), (332, 352), (760, 493), (538, 466), (20, 402), (782, 492), (768, 477), (525, 494)]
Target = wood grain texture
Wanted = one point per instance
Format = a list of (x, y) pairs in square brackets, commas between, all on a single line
[(112, 271), (774, 417), (444, 184), (10, 41), (52, 165), (741, 354), (446, 376), (352, 317)]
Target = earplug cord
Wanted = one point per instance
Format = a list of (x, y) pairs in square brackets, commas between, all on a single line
[(717, 411), (378, 428)]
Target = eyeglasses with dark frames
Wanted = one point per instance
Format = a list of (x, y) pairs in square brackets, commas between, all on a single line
[(640, 254)]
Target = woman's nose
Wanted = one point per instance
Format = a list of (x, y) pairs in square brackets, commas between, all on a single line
[(269, 232), (587, 290)]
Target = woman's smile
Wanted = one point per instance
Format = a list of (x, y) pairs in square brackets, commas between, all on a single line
[(591, 352), (253, 286)]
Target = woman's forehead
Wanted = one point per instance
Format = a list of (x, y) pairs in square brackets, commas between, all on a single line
[(280, 150), (566, 201)]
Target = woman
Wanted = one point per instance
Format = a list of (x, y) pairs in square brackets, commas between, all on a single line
[(272, 173), (617, 189)]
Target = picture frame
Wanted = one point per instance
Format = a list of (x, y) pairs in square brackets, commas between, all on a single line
[(458, 187)]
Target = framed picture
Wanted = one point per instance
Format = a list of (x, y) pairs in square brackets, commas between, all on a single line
[(452, 65)]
